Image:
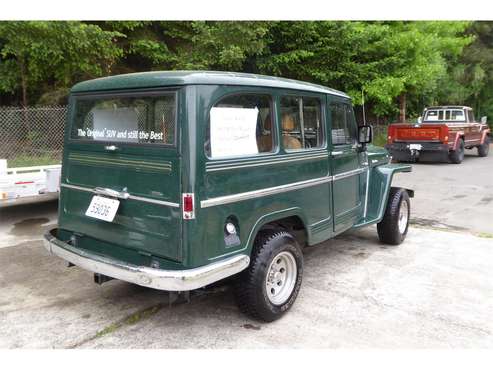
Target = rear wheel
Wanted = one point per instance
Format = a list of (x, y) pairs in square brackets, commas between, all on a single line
[(270, 285), (484, 148), (393, 227), (457, 155)]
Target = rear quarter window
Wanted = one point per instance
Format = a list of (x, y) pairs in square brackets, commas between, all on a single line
[(127, 119)]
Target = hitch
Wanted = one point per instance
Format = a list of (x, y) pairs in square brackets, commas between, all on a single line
[(100, 278)]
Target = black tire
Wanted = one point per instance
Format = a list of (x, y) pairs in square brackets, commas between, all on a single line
[(388, 229), (251, 284), (457, 155), (484, 148)]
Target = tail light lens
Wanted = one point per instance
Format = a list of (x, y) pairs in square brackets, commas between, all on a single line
[(188, 206)]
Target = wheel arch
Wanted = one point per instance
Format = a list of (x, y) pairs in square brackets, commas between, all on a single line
[(290, 216), (458, 135)]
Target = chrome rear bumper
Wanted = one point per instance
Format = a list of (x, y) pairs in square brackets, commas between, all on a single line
[(171, 280)]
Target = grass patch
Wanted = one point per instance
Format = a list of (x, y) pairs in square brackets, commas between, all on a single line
[(129, 320), (30, 161)]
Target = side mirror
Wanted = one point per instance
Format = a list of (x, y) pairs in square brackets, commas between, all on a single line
[(365, 134), (420, 119), (484, 119)]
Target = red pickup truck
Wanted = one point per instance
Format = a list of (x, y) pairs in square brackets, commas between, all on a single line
[(441, 134)]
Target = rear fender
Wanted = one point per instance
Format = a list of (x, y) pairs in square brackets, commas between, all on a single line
[(274, 216), (458, 135)]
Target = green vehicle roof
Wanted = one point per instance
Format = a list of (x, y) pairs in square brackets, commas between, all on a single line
[(176, 78)]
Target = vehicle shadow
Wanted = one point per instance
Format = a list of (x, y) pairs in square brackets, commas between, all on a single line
[(28, 210), (469, 155)]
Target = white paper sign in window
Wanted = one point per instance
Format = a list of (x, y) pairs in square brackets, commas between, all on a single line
[(233, 131)]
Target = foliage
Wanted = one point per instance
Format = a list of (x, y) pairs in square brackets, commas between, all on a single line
[(385, 59), (470, 78), (420, 63), (33, 54), (188, 45)]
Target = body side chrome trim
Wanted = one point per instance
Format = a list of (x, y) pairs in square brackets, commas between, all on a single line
[(132, 197), (171, 280), (264, 192), (273, 156), (263, 163), (226, 199), (349, 173), (264, 159)]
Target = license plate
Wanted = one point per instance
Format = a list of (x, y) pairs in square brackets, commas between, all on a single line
[(103, 208), (415, 146)]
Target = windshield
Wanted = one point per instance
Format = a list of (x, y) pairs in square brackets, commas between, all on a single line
[(450, 115), (128, 119)]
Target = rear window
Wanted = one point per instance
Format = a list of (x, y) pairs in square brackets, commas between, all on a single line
[(437, 115), (128, 119)]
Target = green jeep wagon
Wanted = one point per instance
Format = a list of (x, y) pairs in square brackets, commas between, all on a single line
[(176, 180)]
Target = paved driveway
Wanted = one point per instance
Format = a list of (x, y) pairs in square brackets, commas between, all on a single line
[(453, 196), (433, 291)]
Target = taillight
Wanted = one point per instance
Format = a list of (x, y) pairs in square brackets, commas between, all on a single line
[(188, 206), (390, 133), (444, 134)]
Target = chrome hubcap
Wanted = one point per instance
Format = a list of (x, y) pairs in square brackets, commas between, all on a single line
[(281, 278), (403, 216)]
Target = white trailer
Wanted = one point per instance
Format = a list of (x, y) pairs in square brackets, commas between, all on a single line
[(23, 185)]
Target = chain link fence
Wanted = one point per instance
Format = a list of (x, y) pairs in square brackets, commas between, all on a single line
[(32, 136)]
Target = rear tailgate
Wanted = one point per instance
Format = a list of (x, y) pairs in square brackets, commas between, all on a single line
[(417, 133), (149, 219)]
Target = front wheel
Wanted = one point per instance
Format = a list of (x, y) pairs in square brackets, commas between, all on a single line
[(457, 155), (484, 148), (270, 285), (393, 227)]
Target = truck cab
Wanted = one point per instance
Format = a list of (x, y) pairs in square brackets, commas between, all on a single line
[(176, 180)]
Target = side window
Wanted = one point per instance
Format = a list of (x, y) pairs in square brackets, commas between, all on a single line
[(458, 115), (470, 115), (240, 125), (343, 124), (301, 122)]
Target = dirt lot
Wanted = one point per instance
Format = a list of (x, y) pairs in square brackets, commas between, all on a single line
[(434, 291)]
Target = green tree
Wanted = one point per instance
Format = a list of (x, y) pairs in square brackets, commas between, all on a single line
[(470, 78), (189, 45), (388, 60), (35, 53)]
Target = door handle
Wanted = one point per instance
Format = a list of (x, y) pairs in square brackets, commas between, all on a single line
[(337, 153), (111, 148)]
